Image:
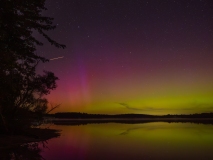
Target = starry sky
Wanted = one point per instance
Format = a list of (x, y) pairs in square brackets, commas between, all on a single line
[(132, 56)]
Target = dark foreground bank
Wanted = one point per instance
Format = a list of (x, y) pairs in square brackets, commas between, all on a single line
[(31, 135)]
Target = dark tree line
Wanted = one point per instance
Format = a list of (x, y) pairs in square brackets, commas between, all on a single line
[(22, 90), (78, 115)]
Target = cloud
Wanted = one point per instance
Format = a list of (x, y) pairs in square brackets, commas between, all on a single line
[(56, 58), (128, 107), (138, 109), (195, 107)]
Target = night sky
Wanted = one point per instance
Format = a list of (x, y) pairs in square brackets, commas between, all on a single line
[(131, 56)]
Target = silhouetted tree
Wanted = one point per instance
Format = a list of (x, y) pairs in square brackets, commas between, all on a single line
[(21, 89)]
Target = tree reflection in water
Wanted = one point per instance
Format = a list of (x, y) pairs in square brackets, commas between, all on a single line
[(30, 151)]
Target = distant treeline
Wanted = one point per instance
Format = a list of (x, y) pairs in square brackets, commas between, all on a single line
[(78, 115)]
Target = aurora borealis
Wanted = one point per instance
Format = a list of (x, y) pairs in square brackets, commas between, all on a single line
[(134, 56)]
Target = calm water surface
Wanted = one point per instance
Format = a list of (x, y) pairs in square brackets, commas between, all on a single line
[(148, 141)]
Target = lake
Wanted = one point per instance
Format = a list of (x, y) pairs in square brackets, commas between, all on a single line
[(148, 141), (155, 140)]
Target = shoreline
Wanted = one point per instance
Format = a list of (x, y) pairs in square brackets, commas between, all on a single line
[(83, 121), (131, 119)]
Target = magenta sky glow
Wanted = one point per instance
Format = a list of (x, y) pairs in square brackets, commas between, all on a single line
[(152, 57)]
